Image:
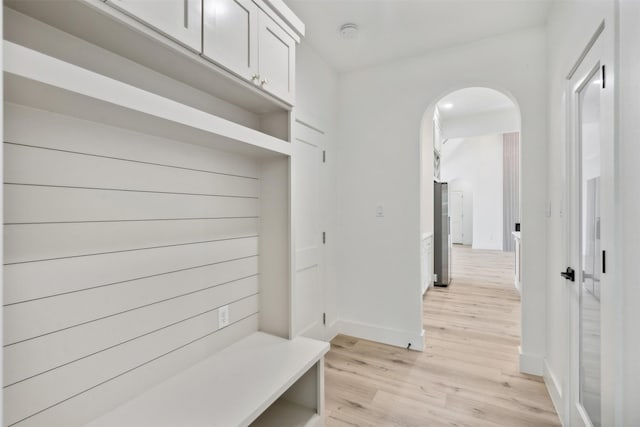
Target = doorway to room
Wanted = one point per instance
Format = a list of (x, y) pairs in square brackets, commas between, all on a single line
[(476, 177), (471, 209)]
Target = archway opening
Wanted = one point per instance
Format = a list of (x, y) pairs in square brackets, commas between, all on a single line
[(470, 191)]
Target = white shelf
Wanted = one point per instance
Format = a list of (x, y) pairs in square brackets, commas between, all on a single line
[(123, 35), (296, 416), (40, 81), (231, 388)]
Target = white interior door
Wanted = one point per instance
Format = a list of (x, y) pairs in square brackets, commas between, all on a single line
[(590, 236), (457, 216), (308, 292)]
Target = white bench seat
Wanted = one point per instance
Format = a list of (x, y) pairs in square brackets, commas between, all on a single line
[(231, 388)]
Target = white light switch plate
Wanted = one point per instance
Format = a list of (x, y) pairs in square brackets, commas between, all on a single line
[(223, 316)]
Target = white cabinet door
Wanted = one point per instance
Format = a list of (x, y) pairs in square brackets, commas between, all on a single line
[(180, 20), (308, 288), (276, 59), (230, 35)]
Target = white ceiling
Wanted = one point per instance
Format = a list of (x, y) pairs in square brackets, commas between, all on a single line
[(392, 29), (473, 100)]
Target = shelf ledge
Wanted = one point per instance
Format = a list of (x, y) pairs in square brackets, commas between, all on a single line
[(41, 81)]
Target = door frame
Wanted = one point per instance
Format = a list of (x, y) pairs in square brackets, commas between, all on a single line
[(598, 53)]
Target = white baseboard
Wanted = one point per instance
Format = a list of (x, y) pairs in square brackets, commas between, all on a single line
[(395, 337), (303, 332), (531, 363), (332, 330), (555, 390)]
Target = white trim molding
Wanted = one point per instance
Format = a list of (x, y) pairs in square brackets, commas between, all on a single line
[(555, 391), (395, 337), (531, 363), (332, 330)]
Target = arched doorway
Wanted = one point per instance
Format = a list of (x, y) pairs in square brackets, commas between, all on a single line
[(470, 164)]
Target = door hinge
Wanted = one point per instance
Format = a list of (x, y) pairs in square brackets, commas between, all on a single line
[(604, 77), (324, 237), (604, 262), (186, 13), (324, 318), (324, 156)]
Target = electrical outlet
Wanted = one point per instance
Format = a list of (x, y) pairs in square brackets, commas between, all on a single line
[(380, 211), (223, 316)]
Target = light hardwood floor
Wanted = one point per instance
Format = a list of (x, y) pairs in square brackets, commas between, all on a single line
[(467, 375)]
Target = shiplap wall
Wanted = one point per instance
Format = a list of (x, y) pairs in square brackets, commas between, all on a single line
[(119, 248)]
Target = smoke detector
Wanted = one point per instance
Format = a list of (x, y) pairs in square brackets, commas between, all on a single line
[(349, 31)]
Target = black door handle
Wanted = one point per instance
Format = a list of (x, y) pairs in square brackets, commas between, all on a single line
[(570, 274)]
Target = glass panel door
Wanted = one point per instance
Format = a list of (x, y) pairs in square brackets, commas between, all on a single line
[(589, 292)]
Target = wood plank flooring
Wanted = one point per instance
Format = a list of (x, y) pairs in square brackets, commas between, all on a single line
[(467, 375)]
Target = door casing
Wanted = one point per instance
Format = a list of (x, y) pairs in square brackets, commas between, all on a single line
[(598, 53)]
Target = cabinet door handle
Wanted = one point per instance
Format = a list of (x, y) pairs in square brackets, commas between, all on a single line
[(264, 82), (255, 77)]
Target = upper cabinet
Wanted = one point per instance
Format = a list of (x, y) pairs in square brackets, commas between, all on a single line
[(240, 36), (180, 20), (230, 35), (276, 59), (250, 38), (240, 51)]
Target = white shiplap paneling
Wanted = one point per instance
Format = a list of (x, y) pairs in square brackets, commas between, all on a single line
[(36, 204), (46, 241), (120, 248), (87, 404), (52, 387), (71, 169), (35, 280), (49, 351), (62, 132)]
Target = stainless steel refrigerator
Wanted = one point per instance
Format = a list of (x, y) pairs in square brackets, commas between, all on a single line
[(441, 235)]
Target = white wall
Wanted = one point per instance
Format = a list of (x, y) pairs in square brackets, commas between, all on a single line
[(500, 121), (381, 122), (478, 162), (316, 88)]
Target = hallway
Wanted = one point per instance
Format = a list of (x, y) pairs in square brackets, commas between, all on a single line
[(468, 374)]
